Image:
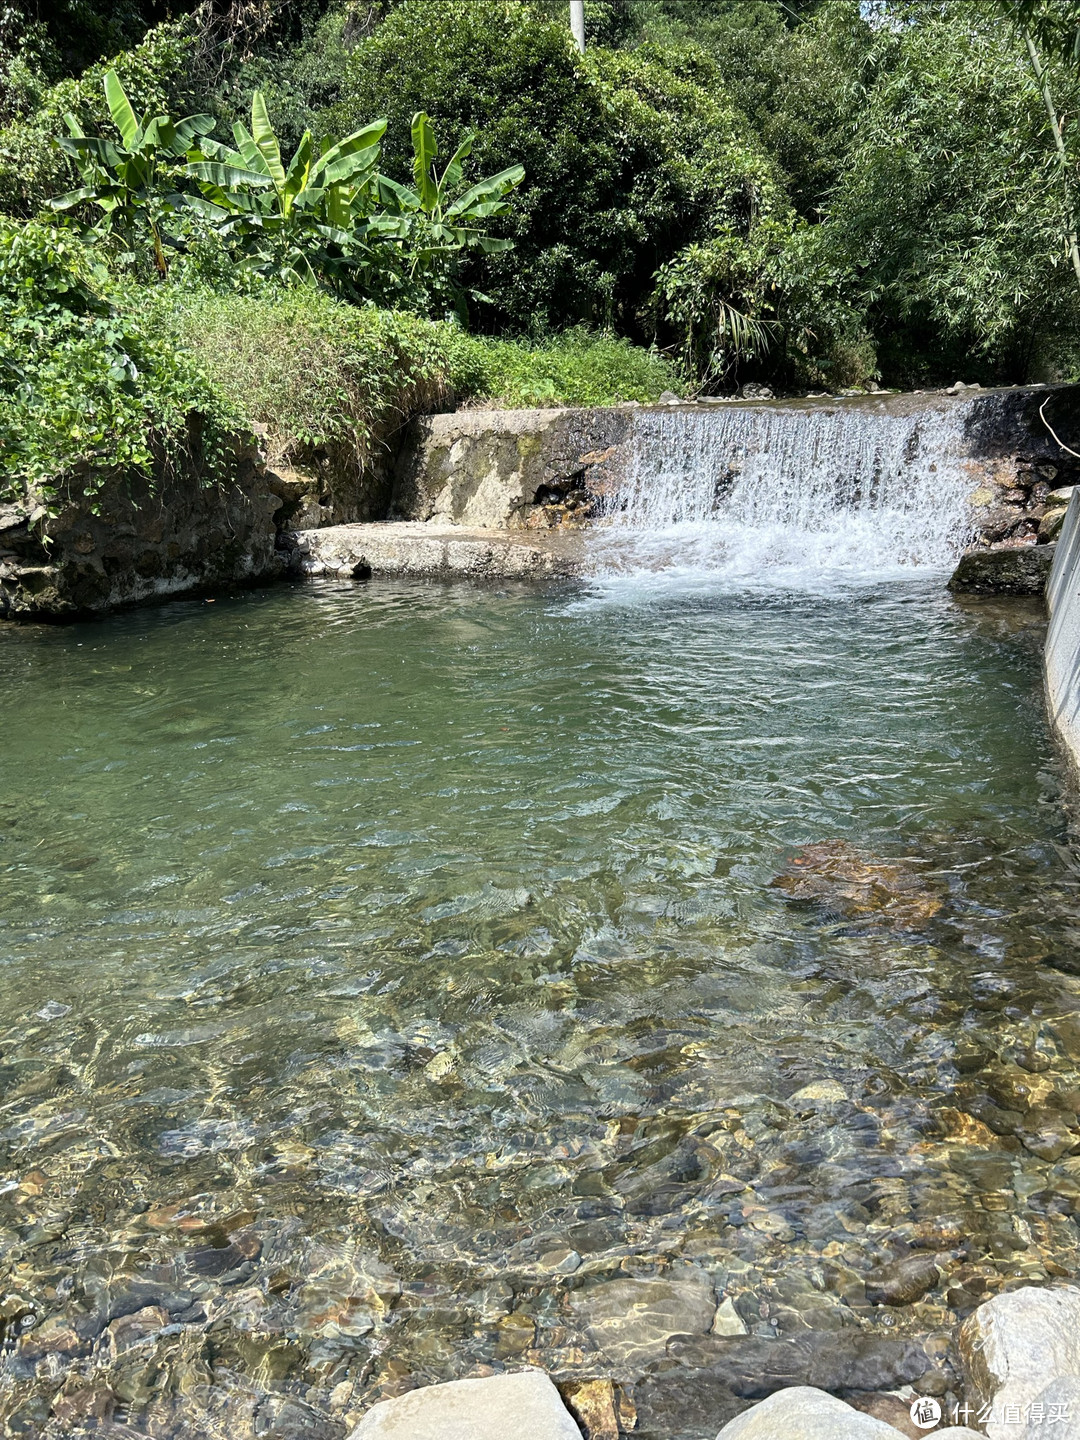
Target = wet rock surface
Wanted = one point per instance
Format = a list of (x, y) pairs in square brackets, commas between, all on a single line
[(1004, 570), (406, 548)]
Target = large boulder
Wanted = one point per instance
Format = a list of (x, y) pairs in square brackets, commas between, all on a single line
[(1014, 1347), (803, 1413), (1003, 570), (525, 1405)]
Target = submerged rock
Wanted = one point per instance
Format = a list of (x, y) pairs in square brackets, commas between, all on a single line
[(903, 1282), (833, 874), (525, 1404), (631, 1321), (1003, 570)]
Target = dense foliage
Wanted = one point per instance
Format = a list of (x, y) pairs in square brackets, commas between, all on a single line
[(816, 193), (87, 383)]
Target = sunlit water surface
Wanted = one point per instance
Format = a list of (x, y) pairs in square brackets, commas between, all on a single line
[(385, 966)]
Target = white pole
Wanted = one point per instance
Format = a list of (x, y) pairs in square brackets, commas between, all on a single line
[(577, 23)]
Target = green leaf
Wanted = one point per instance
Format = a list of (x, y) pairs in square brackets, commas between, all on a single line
[(266, 140), (425, 149), (498, 185), (124, 117), (451, 177), (296, 178), (228, 177)]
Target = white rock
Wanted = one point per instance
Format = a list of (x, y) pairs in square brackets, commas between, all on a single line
[(524, 1405), (803, 1413), (727, 1320), (1060, 1400), (821, 1092), (1015, 1345)]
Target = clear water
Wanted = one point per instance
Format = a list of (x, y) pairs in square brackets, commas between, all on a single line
[(385, 967)]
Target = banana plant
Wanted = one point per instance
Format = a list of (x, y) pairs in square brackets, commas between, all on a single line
[(432, 222), (288, 213), (125, 181)]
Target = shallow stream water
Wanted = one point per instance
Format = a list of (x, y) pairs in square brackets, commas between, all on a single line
[(387, 970)]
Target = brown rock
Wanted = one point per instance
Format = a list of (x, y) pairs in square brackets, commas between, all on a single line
[(891, 1409), (903, 1282), (592, 1404), (131, 1330), (836, 876)]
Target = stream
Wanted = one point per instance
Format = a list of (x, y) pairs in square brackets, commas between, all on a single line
[(410, 980)]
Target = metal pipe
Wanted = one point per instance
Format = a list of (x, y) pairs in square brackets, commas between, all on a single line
[(577, 23)]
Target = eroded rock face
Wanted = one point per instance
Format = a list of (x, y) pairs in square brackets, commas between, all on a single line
[(525, 1405), (135, 541), (411, 548), (1014, 1346)]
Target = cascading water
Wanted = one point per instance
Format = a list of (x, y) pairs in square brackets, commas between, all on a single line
[(787, 493)]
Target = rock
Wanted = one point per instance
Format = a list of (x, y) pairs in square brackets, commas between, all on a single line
[(1055, 1411), (754, 1365), (727, 1320), (834, 875), (1013, 1344), (804, 1413), (820, 1092), (631, 1321), (524, 1405), (670, 398), (1004, 570), (592, 1404), (419, 548), (1061, 496), (1050, 525), (754, 391), (892, 1410), (131, 1330), (903, 1282)]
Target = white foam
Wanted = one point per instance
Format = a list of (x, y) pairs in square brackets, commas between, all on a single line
[(781, 497)]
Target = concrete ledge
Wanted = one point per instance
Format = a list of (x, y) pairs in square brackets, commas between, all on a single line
[(1063, 635), (418, 548)]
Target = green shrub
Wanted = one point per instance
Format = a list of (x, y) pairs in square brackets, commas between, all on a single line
[(314, 369), (88, 386), (575, 368), (158, 76), (628, 156)]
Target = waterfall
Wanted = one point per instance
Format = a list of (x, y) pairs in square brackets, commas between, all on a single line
[(788, 491)]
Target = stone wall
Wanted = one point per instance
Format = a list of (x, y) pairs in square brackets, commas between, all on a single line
[(136, 541), (510, 469)]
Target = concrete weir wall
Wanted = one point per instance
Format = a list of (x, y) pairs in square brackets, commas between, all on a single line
[(1063, 635), (486, 493)]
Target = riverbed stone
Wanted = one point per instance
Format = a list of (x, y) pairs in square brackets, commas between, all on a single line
[(1003, 570), (525, 1404), (631, 1321), (903, 1282), (1016, 1343), (805, 1413), (1055, 1411)]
